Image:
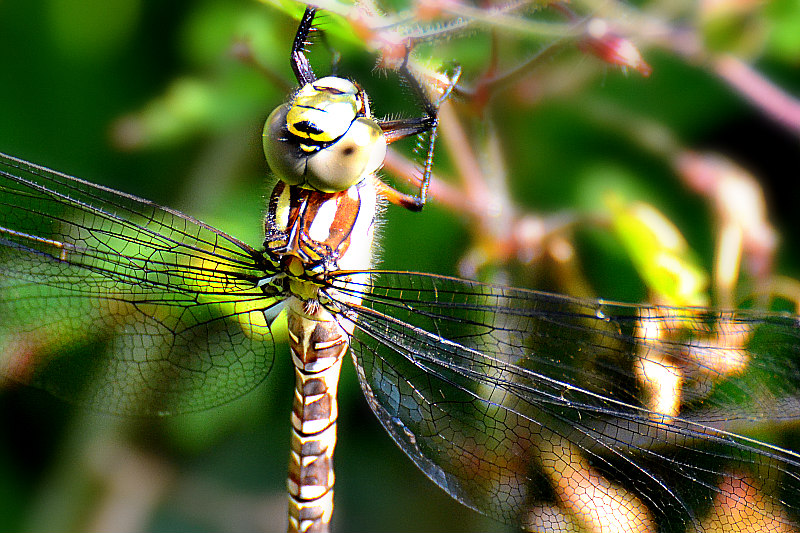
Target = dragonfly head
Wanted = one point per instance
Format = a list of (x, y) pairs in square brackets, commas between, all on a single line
[(325, 138)]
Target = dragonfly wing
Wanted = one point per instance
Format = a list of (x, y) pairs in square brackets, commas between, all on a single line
[(114, 301), (561, 414)]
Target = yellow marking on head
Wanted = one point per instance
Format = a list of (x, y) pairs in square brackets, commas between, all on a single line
[(322, 111)]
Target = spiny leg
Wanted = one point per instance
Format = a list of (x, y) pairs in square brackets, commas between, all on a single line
[(394, 130), (300, 65)]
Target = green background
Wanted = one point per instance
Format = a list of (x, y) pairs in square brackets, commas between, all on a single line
[(145, 97)]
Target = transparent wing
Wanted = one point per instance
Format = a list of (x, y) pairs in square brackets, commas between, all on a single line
[(560, 414), (114, 301)]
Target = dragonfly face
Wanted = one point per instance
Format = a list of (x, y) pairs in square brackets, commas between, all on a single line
[(543, 411), (325, 138)]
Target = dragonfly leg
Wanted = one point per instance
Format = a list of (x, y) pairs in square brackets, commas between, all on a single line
[(394, 130), (300, 65)]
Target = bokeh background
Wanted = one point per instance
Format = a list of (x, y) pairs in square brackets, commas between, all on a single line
[(149, 97)]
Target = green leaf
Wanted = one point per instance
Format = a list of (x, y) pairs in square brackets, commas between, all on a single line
[(659, 252)]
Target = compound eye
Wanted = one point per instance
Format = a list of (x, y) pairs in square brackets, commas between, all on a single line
[(285, 158), (358, 153)]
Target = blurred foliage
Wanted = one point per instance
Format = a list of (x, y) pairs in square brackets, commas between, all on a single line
[(166, 100)]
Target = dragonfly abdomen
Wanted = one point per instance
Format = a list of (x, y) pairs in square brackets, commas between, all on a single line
[(318, 343)]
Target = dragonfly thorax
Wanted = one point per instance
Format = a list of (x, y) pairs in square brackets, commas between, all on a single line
[(309, 234), (325, 138)]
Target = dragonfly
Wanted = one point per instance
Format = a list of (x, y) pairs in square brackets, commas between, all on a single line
[(542, 411)]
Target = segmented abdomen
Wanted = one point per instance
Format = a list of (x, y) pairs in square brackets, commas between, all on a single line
[(318, 342)]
